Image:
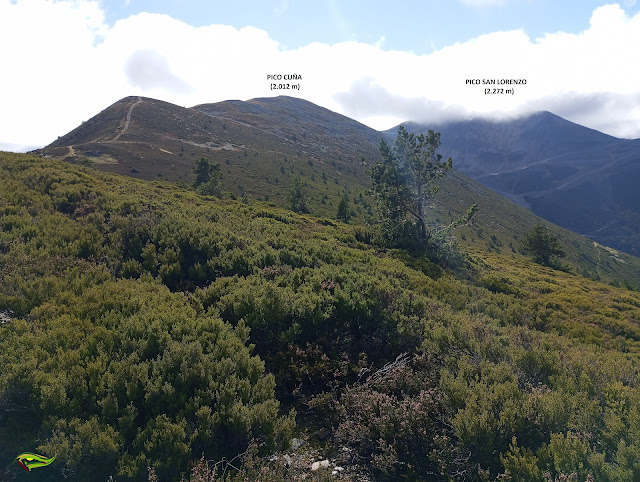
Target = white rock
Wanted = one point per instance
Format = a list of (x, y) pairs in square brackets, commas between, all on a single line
[(322, 464)]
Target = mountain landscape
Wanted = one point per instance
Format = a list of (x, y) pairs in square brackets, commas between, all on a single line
[(545, 164), (572, 176), (260, 144), (576, 177), (153, 331)]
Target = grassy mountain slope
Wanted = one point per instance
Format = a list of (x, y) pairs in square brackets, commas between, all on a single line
[(261, 145), (501, 224), (317, 131), (145, 325), (264, 144), (573, 176)]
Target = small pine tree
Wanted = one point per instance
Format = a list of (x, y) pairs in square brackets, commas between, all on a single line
[(201, 170), (543, 246), (298, 196), (208, 179), (404, 182), (343, 211)]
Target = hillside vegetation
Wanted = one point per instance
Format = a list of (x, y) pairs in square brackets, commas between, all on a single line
[(145, 326), (263, 146)]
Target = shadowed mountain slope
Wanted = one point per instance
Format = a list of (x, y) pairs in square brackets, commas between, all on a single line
[(576, 177)]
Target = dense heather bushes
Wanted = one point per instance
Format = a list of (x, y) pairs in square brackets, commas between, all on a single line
[(127, 375), (150, 326)]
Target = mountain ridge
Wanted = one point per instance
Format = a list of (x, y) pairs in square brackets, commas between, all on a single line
[(542, 162)]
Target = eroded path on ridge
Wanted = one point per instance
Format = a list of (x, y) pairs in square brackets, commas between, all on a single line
[(128, 119)]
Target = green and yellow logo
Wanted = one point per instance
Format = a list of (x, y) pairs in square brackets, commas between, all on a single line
[(30, 461)]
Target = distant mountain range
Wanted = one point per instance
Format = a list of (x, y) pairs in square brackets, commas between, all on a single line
[(576, 177)]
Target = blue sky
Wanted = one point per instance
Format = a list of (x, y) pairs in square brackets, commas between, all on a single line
[(380, 63)]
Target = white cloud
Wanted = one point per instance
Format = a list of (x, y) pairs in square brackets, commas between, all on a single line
[(65, 65), (47, 57), (589, 78), (367, 99), (149, 70)]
